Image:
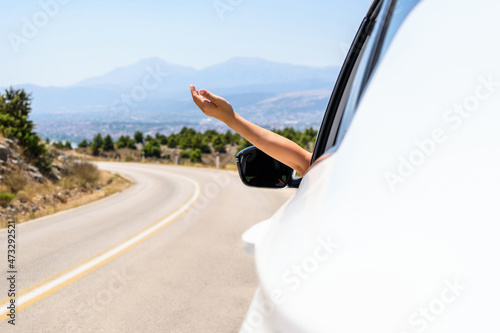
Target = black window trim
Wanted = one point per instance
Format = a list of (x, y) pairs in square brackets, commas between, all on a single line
[(364, 31)]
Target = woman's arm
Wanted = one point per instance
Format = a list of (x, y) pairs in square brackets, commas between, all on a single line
[(277, 146)]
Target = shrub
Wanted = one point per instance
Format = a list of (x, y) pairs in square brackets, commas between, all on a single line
[(184, 154), (21, 195), (16, 181), (6, 198), (152, 149), (195, 156), (84, 173), (125, 142)]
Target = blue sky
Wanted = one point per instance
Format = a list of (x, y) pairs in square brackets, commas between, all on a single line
[(60, 42)]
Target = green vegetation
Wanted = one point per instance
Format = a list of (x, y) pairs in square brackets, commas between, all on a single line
[(97, 144), (108, 144), (303, 139), (84, 144), (6, 198), (152, 148), (195, 156), (15, 107), (125, 142), (184, 154), (139, 137), (63, 145), (192, 144)]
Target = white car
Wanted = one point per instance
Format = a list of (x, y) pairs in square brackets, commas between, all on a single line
[(396, 226)]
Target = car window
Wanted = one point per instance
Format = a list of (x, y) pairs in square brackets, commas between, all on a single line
[(341, 91), (391, 17)]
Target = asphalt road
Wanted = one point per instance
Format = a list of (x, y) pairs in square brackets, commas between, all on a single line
[(132, 263)]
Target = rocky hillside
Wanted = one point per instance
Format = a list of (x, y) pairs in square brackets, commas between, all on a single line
[(25, 193)]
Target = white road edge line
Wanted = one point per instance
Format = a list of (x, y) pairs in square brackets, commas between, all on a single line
[(103, 257)]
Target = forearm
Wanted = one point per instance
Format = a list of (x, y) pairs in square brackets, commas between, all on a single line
[(280, 148), (274, 145)]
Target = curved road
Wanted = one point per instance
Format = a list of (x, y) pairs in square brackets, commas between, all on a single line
[(164, 255)]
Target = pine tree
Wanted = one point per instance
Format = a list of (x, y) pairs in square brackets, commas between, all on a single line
[(107, 144), (15, 107), (97, 144), (139, 137)]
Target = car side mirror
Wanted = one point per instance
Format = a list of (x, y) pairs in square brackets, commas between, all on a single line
[(257, 169)]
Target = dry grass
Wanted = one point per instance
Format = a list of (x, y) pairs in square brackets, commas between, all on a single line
[(83, 174), (33, 189), (16, 180), (113, 183)]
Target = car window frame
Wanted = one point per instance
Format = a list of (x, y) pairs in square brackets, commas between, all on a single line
[(346, 73), (384, 33)]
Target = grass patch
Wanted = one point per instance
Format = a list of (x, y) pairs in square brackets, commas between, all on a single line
[(6, 198), (84, 174), (112, 183), (16, 181), (118, 184)]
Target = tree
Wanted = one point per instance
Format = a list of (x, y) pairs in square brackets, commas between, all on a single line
[(162, 138), (139, 137), (67, 145), (229, 138), (15, 107), (125, 142), (197, 143), (172, 141), (218, 144), (84, 144), (97, 144), (209, 135), (152, 149), (108, 144), (236, 139), (195, 156)]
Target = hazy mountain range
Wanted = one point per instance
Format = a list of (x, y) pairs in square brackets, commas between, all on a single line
[(153, 95)]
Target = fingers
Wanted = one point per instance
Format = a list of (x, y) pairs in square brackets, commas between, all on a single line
[(213, 98), (193, 90), (196, 96), (201, 102), (194, 93)]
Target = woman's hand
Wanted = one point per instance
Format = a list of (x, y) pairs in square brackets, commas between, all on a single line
[(277, 146), (213, 105)]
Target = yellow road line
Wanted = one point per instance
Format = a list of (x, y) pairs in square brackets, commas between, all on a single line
[(32, 295)]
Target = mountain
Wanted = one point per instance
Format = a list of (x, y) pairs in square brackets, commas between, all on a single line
[(129, 76), (232, 76), (153, 95), (262, 75)]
